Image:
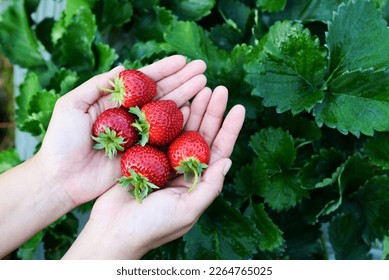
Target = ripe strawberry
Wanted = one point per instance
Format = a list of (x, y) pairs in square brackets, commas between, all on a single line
[(132, 88), (113, 131), (146, 168), (159, 122), (189, 154)]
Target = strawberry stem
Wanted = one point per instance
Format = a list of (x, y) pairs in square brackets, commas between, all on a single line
[(191, 168), (142, 186), (117, 92), (141, 125), (109, 141)]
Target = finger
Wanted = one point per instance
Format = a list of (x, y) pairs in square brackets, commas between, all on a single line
[(186, 91), (211, 185), (224, 142), (164, 67), (88, 93), (198, 108), (213, 117), (185, 110), (179, 78)]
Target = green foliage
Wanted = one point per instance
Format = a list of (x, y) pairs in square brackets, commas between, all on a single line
[(311, 164)]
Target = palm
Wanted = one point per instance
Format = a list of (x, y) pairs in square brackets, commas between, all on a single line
[(69, 154), (170, 212)]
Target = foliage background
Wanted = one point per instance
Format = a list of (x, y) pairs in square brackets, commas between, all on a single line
[(310, 172)]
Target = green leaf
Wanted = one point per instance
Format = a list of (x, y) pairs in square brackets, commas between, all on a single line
[(8, 159), (29, 248), (377, 149), (289, 72), (374, 199), (351, 175), (28, 89), (275, 147), (59, 236), (251, 180), (235, 13), (271, 5), (113, 13), (309, 10), (106, 56), (191, 10), (345, 233), (322, 169), (270, 236), (153, 24), (357, 102), (284, 191), (35, 106), (209, 239), (191, 40), (146, 50), (385, 251), (63, 81), (302, 240), (350, 35), (17, 40), (73, 40), (225, 36)]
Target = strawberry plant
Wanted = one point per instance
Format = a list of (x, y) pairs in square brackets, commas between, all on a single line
[(310, 175)]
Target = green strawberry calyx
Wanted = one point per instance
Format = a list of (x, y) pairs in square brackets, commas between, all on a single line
[(142, 185), (117, 92), (109, 141), (141, 125), (192, 168)]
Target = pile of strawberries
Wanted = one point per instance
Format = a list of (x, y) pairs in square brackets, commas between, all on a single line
[(149, 134)]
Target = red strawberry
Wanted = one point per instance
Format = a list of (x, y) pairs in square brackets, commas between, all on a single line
[(189, 154), (146, 168), (159, 122), (132, 88), (113, 131)]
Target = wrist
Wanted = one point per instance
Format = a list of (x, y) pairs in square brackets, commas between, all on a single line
[(53, 181), (103, 241)]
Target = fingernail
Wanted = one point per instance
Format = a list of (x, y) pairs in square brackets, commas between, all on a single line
[(227, 167)]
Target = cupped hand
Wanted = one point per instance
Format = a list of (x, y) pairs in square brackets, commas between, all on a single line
[(67, 156), (168, 213)]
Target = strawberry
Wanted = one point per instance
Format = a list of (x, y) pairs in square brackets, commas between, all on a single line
[(159, 122), (189, 154), (132, 88), (113, 131), (146, 168)]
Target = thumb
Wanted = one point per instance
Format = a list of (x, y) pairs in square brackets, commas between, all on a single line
[(212, 184), (88, 93)]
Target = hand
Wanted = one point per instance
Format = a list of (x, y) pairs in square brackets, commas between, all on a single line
[(67, 155), (130, 229)]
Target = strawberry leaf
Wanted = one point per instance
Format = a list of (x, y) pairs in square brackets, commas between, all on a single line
[(271, 5), (284, 191), (270, 236), (289, 71), (275, 148), (374, 198), (191, 10), (8, 159), (358, 102), (345, 235), (354, 26), (377, 149), (17, 40), (106, 56), (357, 99), (209, 239), (73, 39)]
